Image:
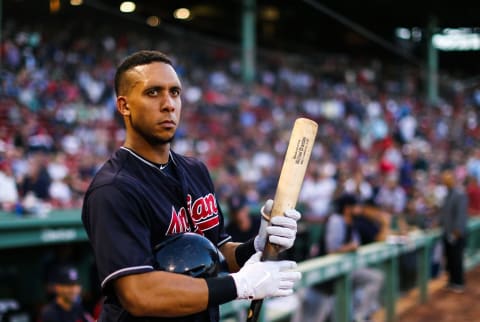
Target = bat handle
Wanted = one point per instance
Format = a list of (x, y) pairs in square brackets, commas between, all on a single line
[(269, 253), (254, 310)]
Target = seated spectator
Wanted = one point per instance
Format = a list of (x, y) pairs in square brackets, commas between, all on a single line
[(371, 222), (341, 236), (66, 306)]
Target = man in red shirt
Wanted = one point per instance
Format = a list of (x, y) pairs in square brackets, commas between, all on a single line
[(473, 193)]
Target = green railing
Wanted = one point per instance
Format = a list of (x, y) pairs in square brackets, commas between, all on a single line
[(339, 267)]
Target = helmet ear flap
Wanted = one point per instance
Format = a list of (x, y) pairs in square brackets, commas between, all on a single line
[(189, 254)]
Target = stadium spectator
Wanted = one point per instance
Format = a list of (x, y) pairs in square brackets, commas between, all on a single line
[(317, 191), (357, 185), (371, 222), (341, 236), (37, 180), (473, 194), (391, 196), (453, 219), (9, 193), (473, 164), (241, 225)]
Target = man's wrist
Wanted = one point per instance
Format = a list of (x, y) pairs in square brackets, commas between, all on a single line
[(241, 286), (221, 290), (244, 251)]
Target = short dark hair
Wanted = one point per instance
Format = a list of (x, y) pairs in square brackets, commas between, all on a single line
[(142, 57), (344, 201), (236, 202)]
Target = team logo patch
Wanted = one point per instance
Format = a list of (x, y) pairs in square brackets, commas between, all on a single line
[(203, 212)]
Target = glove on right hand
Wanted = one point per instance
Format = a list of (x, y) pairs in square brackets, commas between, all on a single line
[(257, 280)]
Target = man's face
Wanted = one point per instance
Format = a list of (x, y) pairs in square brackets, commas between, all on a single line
[(448, 178), (350, 211), (391, 183), (68, 293), (151, 103)]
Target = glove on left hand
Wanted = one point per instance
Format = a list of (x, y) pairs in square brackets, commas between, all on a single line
[(281, 231)]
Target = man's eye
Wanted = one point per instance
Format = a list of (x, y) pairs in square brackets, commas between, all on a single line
[(152, 92), (175, 92)]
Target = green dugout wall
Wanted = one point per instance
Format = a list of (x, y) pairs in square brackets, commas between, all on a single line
[(29, 245)]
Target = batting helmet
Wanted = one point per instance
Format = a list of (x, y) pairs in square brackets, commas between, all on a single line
[(190, 254)]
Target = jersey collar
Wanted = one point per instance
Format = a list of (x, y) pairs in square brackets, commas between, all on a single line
[(149, 163)]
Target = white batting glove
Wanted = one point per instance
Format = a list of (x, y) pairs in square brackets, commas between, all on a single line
[(258, 280), (281, 230)]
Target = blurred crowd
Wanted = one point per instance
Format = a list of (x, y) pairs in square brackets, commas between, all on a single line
[(377, 136), (378, 139)]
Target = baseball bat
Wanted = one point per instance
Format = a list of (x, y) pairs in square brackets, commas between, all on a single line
[(289, 184)]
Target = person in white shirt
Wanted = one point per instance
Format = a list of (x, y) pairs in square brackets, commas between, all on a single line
[(9, 195), (391, 196), (317, 192)]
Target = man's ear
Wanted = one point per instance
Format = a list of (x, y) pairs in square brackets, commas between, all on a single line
[(122, 106)]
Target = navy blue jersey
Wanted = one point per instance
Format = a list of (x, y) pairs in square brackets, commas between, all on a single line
[(53, 312), (132, 204)]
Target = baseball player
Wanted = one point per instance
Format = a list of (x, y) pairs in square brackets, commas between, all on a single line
[(146, 191), (66, 306)]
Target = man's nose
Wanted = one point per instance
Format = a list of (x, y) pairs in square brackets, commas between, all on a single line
[(168, 102)]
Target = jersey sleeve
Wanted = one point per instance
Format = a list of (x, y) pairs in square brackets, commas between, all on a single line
[(120, 236)]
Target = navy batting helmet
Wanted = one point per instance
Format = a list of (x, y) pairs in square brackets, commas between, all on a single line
[(190, 254)]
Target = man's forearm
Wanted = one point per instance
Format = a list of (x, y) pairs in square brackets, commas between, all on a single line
[(162, 294)]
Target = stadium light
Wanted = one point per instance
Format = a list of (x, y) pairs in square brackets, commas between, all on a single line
[(403, 33), (127, 7), (270, 13), (457, 39), (153, 21), (54, 6), (182, 13), (414, 34)]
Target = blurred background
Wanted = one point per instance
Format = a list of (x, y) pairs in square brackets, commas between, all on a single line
[(394, 86)]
